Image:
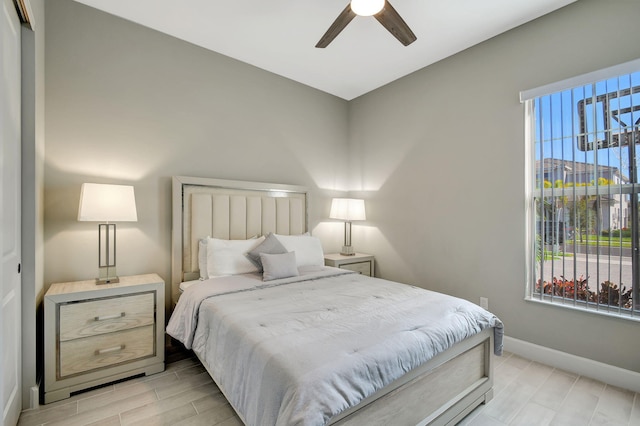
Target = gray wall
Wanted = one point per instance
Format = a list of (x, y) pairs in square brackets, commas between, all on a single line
[(440, 157), (129, 105)]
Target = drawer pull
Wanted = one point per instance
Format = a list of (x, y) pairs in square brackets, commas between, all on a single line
[(108, 317), (107, 350)]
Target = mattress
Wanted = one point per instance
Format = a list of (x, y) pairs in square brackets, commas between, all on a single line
[(186, 284), (302, 350)]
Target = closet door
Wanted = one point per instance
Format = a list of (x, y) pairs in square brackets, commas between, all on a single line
[(10, 287)]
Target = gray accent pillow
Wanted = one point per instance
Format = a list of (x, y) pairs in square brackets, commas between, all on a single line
[(270, 245), (279, 265)]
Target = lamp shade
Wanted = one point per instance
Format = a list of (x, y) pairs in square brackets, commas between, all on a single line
[(366, 7), (107, 203), (348, 209)]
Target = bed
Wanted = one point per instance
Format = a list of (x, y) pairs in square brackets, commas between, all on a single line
[(315, 345)]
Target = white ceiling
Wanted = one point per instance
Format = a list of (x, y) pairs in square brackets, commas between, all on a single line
[(280, 35)]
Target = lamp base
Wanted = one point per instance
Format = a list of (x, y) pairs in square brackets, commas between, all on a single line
[(112, 280), (107, 275), (347, 251), (107, 254)]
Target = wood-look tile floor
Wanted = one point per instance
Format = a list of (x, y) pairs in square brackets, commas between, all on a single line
[(529, 393), (525, 393)]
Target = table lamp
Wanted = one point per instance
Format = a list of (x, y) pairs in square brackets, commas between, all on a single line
[(347, 209), (107, 203)]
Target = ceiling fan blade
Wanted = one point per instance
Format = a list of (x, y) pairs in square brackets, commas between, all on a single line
[(338, 25), (394, 23)]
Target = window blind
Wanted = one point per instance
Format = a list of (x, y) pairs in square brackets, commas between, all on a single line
[(584, 194)]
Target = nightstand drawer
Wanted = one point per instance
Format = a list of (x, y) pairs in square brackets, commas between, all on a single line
[(91, 353), (359, 262), (100, 316), (363, 268)]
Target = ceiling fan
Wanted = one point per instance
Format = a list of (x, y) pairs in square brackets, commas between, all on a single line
[(379, 9)]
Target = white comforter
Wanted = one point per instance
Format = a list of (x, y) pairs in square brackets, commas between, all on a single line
[(300, 351)]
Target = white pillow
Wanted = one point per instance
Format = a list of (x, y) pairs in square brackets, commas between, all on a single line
[(308, 249), (282, 265), (202, 257), (228, 257)]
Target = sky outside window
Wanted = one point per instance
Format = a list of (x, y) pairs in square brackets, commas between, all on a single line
[(574, 122)]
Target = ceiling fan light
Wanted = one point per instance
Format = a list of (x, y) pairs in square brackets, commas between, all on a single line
[(367, 7)]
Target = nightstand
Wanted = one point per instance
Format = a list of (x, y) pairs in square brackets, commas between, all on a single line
[(96, 334), (359, 262)]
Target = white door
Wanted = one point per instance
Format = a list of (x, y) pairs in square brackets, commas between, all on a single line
[(10, 324)]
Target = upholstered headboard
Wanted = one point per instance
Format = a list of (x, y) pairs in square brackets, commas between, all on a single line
[(227, 209)]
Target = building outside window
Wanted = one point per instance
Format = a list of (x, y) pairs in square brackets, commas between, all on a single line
[(583, 192)]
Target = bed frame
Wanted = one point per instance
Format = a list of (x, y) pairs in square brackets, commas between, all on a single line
[(440, 392)]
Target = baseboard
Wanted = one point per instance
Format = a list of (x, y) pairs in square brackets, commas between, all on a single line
[(34, 397), (606, 373)]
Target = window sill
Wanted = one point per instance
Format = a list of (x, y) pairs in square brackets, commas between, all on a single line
[(626, 315)]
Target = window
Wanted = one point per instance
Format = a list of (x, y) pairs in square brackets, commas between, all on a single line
[(584, 193)]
